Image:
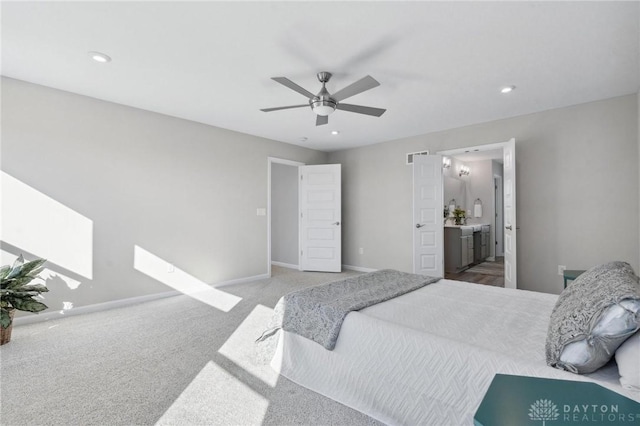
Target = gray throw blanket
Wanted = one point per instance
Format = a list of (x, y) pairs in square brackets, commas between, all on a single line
[(317, 312)]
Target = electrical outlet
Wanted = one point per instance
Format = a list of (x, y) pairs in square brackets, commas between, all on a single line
[(361, 250), (561, 269)]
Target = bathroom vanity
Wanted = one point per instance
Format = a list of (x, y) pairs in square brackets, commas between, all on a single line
[(465, 245)]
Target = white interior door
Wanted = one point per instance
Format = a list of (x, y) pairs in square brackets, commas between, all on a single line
[(320, 218), (510, 269), (428, 225)]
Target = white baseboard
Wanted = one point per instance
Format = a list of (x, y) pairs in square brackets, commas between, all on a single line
[(47, 316), (97, 307), (285, 265), (241, 280), (358, 268)]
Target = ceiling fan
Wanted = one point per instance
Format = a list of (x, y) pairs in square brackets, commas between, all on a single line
[(325, 103)]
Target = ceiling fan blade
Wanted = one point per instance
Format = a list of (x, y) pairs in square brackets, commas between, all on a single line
[(284, 107), (321, 120), (361, 109), (359, 86), (291, 85)]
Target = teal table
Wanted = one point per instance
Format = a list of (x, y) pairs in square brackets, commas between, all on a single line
[(570, 275), (519, 400)]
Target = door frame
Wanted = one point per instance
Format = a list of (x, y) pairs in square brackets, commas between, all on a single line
[(270, 161), (485, 147), (498, 202)]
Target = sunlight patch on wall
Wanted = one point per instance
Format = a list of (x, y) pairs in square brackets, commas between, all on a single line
[(216, 397), (163, 271), (242, 349), (38, 224)]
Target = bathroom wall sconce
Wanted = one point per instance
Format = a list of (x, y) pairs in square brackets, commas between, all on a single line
[(446, 162), (464, 171)]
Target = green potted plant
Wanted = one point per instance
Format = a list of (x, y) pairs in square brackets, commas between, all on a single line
[(16, 292), (459, 215)]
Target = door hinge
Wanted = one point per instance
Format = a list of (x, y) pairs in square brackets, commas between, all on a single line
[(301, 252), (301, 177), (301, 214)]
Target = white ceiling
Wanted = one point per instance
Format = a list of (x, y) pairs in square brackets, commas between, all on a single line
[(440, 64)]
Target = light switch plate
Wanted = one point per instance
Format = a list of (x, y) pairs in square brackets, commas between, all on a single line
[(261, 211)]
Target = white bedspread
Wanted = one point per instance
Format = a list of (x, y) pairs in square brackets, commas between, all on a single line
[(428, 357)]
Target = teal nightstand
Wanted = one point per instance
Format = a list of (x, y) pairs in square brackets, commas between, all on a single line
[(570, 275), (518, 400)]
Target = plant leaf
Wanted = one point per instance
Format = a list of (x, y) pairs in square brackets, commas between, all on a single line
[(5, 318), (36, 272), (27, 304), (4, 271), (40, 288), (16, 268), (34, 264), (19, 281)]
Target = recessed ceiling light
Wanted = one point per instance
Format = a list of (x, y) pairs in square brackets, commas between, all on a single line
[(507, 89), (335, 132), (100, 57)]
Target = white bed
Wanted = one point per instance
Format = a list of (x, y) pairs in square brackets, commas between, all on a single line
[(428, 357)]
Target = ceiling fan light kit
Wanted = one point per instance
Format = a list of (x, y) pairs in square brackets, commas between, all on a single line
[(323, 104)]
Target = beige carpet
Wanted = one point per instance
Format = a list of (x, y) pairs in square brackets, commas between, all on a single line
[(175, 361)]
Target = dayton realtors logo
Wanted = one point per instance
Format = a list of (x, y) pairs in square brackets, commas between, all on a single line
[(543, 409), (546, 410)]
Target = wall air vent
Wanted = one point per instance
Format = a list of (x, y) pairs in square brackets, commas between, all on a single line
[(411, 154)]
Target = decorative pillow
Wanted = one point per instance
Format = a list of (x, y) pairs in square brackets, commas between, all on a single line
[(594, 315), (628, 359)]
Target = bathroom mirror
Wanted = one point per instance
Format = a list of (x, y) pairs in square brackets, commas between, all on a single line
[(455, 188)]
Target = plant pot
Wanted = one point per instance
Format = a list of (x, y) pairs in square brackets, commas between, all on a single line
[(5, 333)]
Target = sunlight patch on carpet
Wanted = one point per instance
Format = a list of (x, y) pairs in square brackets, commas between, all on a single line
[(241, 346), (215, 397)]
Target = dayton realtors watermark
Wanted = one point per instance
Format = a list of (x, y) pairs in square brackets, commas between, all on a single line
[(597, 413), (546, 410)]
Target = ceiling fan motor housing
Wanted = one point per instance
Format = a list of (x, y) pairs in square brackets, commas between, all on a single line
[(323, 103)]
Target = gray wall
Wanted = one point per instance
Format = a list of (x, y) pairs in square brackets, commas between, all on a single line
[(183, 191), (577, 190), (284, 214)]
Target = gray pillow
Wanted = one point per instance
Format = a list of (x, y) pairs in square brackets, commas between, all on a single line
[(594, 315)]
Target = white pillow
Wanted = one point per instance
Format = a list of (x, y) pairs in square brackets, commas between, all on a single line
[(628, 359)]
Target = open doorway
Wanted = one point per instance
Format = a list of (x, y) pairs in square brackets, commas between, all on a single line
[(477, 174), (282, 220)]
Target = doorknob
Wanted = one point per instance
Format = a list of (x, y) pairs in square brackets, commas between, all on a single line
[(419, 225), (509, 228), (336, 223)]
